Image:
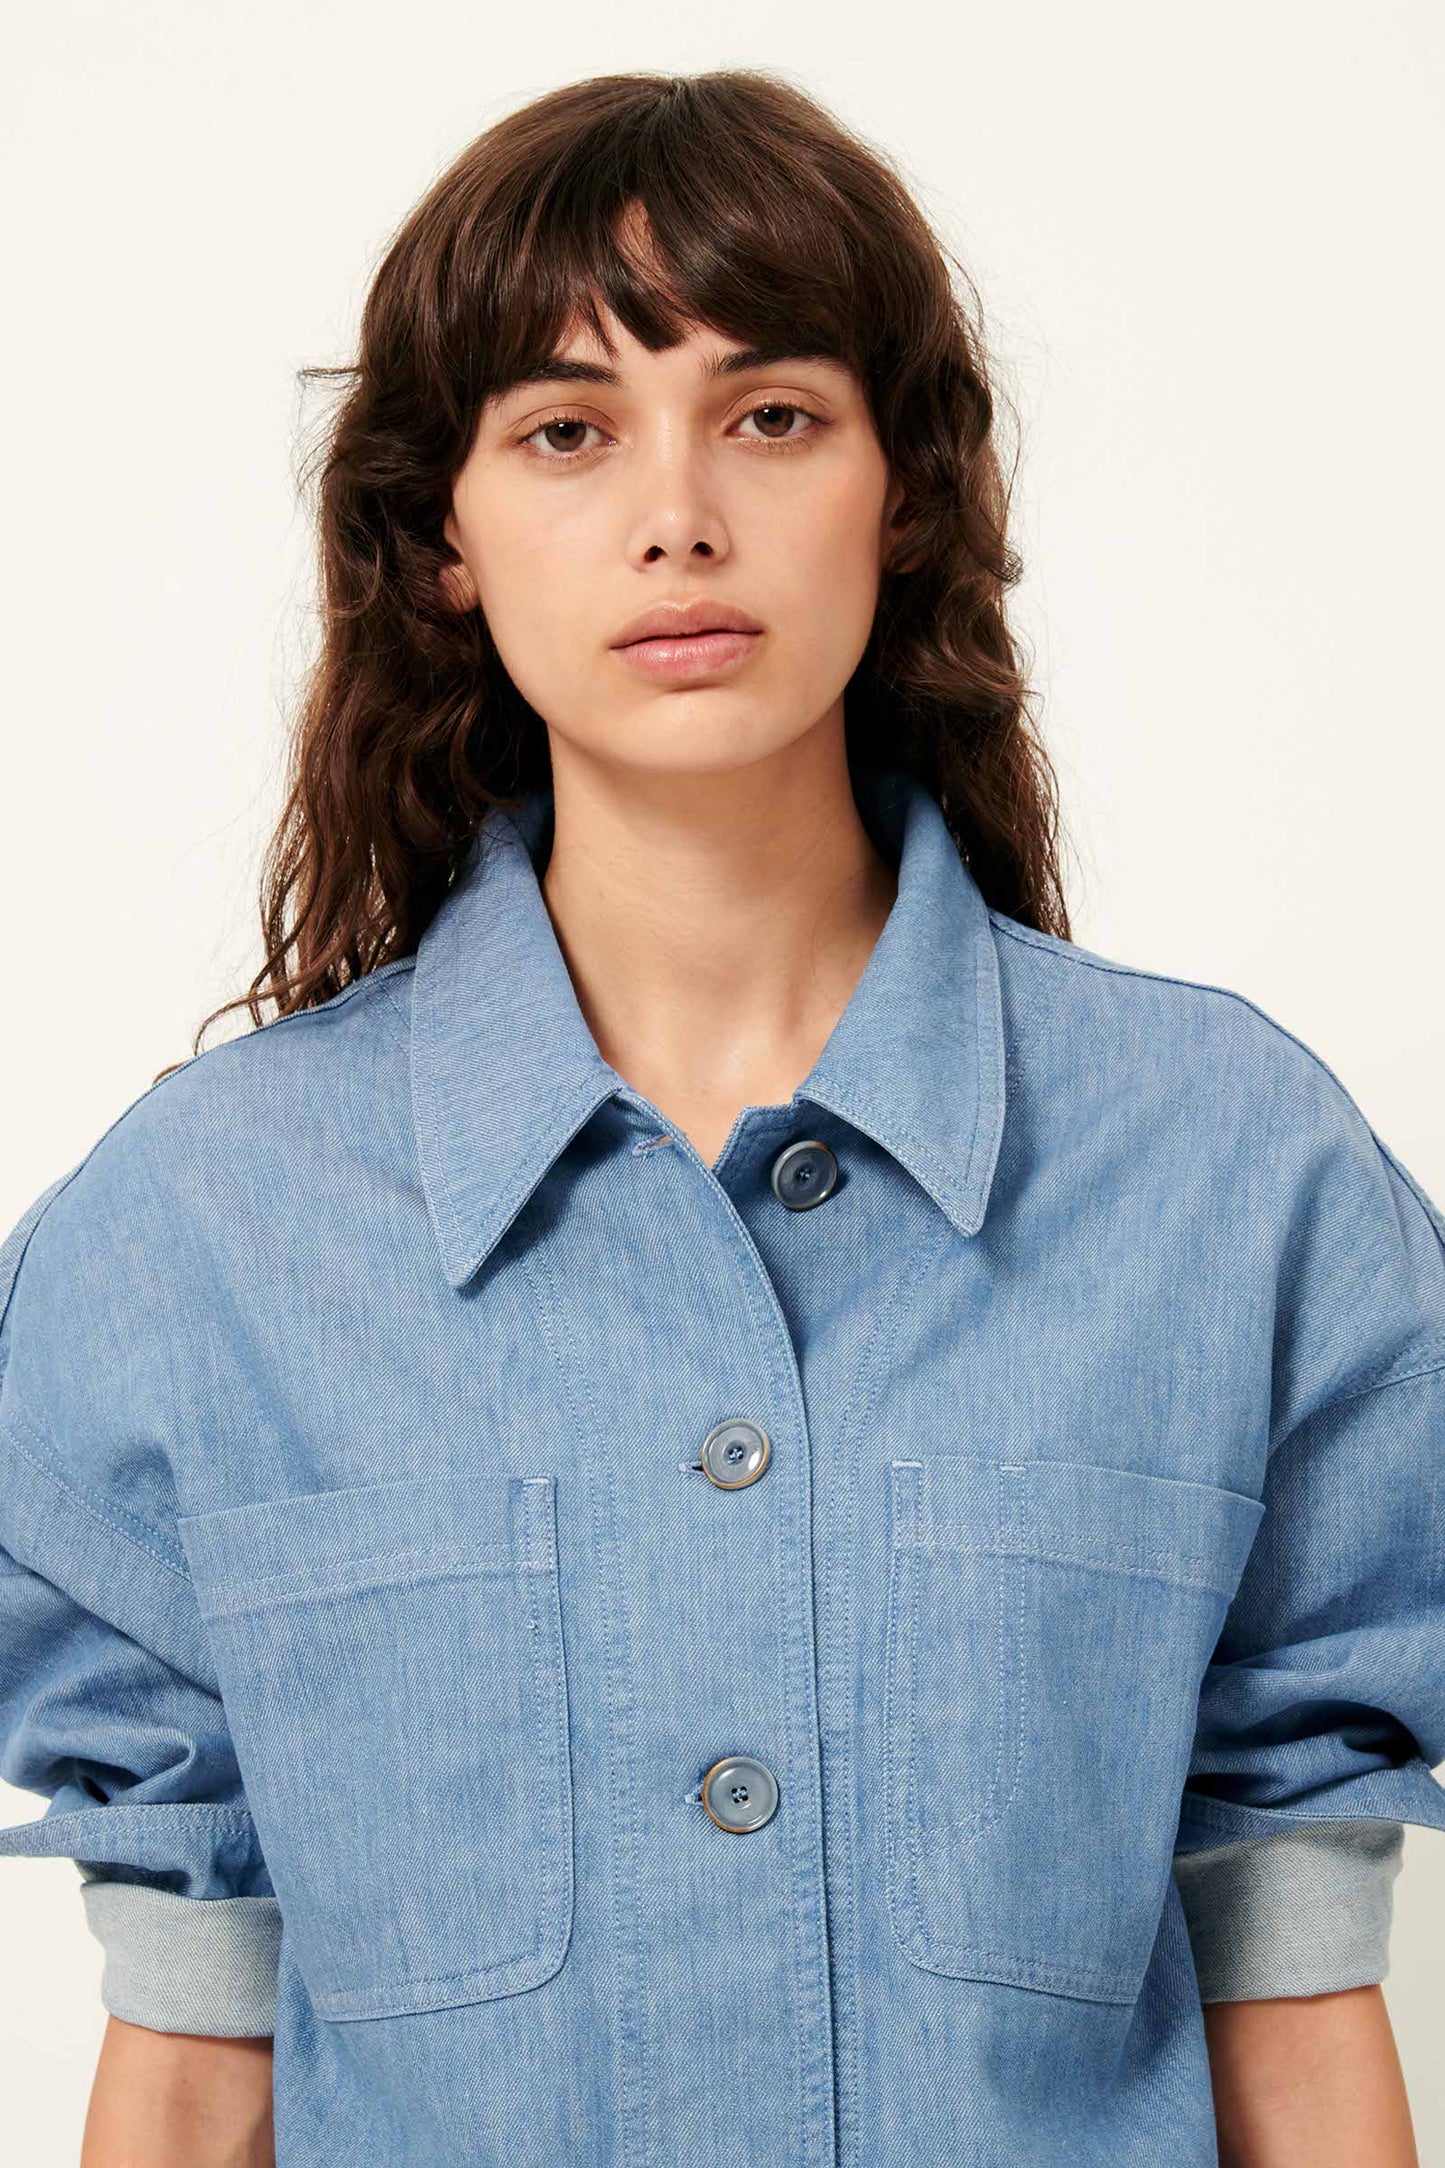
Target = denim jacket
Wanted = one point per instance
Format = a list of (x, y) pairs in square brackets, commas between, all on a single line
[(826, 1657)]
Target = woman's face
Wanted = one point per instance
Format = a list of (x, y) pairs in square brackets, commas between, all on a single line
[(700, 475)]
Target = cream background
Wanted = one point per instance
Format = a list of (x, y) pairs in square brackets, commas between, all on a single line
[(1208, 247)]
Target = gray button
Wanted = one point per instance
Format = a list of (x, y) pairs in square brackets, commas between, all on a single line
[(734, 1453), (740, 1793), (804, 1174)]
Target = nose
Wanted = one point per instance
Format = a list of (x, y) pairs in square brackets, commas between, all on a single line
[(675, 510)]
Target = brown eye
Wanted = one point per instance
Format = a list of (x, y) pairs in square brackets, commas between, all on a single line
[(774, 420), (559, 429), (562, 438)]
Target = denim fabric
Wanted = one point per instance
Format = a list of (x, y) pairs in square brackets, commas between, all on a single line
[(1303, 1913), (357, 1554), (185, 1964)]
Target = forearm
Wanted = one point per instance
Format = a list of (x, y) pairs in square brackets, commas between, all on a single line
[(1308, 2078), (179, 2100)]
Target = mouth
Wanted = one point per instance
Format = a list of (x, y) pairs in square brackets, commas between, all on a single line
[(691, 654)]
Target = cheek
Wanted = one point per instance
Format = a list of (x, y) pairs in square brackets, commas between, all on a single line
[(513, 546), (536, 582), (825, 562)]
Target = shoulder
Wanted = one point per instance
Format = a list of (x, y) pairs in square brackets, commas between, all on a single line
[(1241, 1116), (1199, 1043), (172, 1158), (117, 1276)]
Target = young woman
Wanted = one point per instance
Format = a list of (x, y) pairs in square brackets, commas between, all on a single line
[(718, 1499)]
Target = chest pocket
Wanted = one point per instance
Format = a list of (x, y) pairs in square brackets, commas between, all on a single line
[(1048, 1629), (391, 1663)]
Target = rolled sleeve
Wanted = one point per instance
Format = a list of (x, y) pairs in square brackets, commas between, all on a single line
[(1306, 1911), (136, 1762), (1325, 1697), (109, 1705), (1324, 1700), (185, 1964)]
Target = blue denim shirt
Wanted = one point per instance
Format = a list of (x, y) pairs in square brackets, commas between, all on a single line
[(423, 1475)]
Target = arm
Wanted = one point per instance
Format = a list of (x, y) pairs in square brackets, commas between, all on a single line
[(179, 2100), (1322, 1705), (1290, 1935), (1308, 2078), (109, 1708)]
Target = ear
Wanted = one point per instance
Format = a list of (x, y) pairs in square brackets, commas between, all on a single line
[(457, 583)]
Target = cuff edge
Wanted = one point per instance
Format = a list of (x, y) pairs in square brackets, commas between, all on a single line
[(1254, 1990)]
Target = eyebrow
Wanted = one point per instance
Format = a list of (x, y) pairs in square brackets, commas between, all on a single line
[(563, 369)]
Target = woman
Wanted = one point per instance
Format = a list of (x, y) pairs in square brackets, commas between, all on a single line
[(719, 1499)]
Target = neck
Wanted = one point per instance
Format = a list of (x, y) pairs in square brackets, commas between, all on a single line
[(714, 925)]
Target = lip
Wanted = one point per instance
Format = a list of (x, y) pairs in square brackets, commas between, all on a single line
[(696, 654), (679, 621)]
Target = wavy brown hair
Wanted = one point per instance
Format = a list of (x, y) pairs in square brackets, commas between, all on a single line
[(769, 222)]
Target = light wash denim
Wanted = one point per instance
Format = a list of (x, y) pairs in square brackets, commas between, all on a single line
[(371, 1627)]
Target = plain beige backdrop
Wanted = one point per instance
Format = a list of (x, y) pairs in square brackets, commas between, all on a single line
[(1208, 245)]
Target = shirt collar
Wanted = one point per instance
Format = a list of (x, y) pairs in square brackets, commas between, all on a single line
[(505, 1070)]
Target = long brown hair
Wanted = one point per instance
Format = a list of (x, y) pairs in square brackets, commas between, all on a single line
[(769, 222)]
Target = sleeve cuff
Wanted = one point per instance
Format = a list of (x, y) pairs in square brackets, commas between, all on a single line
[(186, 1964), (1306, 1911)]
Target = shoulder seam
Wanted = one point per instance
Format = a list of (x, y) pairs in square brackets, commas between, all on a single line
[(400, 1017), (1427, 1203), (40, 1205), (1029, 937), (338, 1000), (321, 1009), (1072, 953), (1379, 1385)]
